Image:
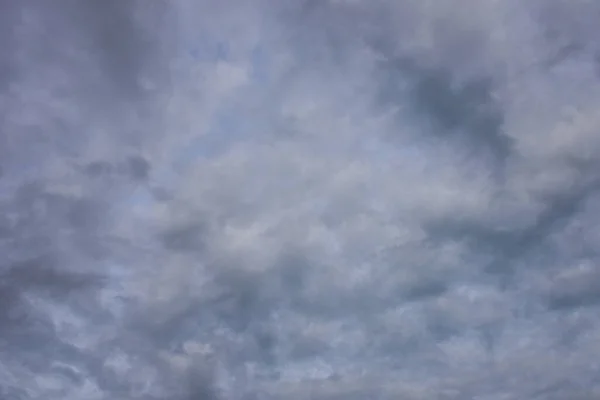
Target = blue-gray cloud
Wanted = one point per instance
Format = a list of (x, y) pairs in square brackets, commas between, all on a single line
[(230, 200)]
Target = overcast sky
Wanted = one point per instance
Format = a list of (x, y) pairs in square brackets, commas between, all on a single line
[(229, 199)]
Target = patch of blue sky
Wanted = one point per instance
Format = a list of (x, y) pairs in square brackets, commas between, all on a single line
[(226, 128), (140, 198), (384, 154), (214, 52), (220, 52), (260, 65)]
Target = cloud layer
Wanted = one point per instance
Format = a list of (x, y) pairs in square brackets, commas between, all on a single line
[(325, 199)]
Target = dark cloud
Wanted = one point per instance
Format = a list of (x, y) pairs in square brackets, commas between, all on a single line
[(12, 310), (293, 266), (245, 300), (8, 21), (582, 298), (425, 289), (139, 167), (98, 168), (122, 39), (67, 56), (574, 289), (461, 112), (185, 238), (507, 247), (43, 272)]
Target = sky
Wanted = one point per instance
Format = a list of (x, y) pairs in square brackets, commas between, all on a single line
[(299, 199)]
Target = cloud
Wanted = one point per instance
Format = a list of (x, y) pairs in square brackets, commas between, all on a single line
[(302, 199)]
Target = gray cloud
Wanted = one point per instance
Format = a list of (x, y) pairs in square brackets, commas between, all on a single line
[(327, 199)]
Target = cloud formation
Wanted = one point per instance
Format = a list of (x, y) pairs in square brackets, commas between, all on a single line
[(325, 199)]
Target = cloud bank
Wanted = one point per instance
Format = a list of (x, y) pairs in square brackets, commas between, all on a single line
[(299, 199)]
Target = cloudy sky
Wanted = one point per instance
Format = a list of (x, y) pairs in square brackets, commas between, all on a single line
[(292, 199)]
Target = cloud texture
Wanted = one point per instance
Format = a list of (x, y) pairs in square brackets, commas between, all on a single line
[(299, 199)]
